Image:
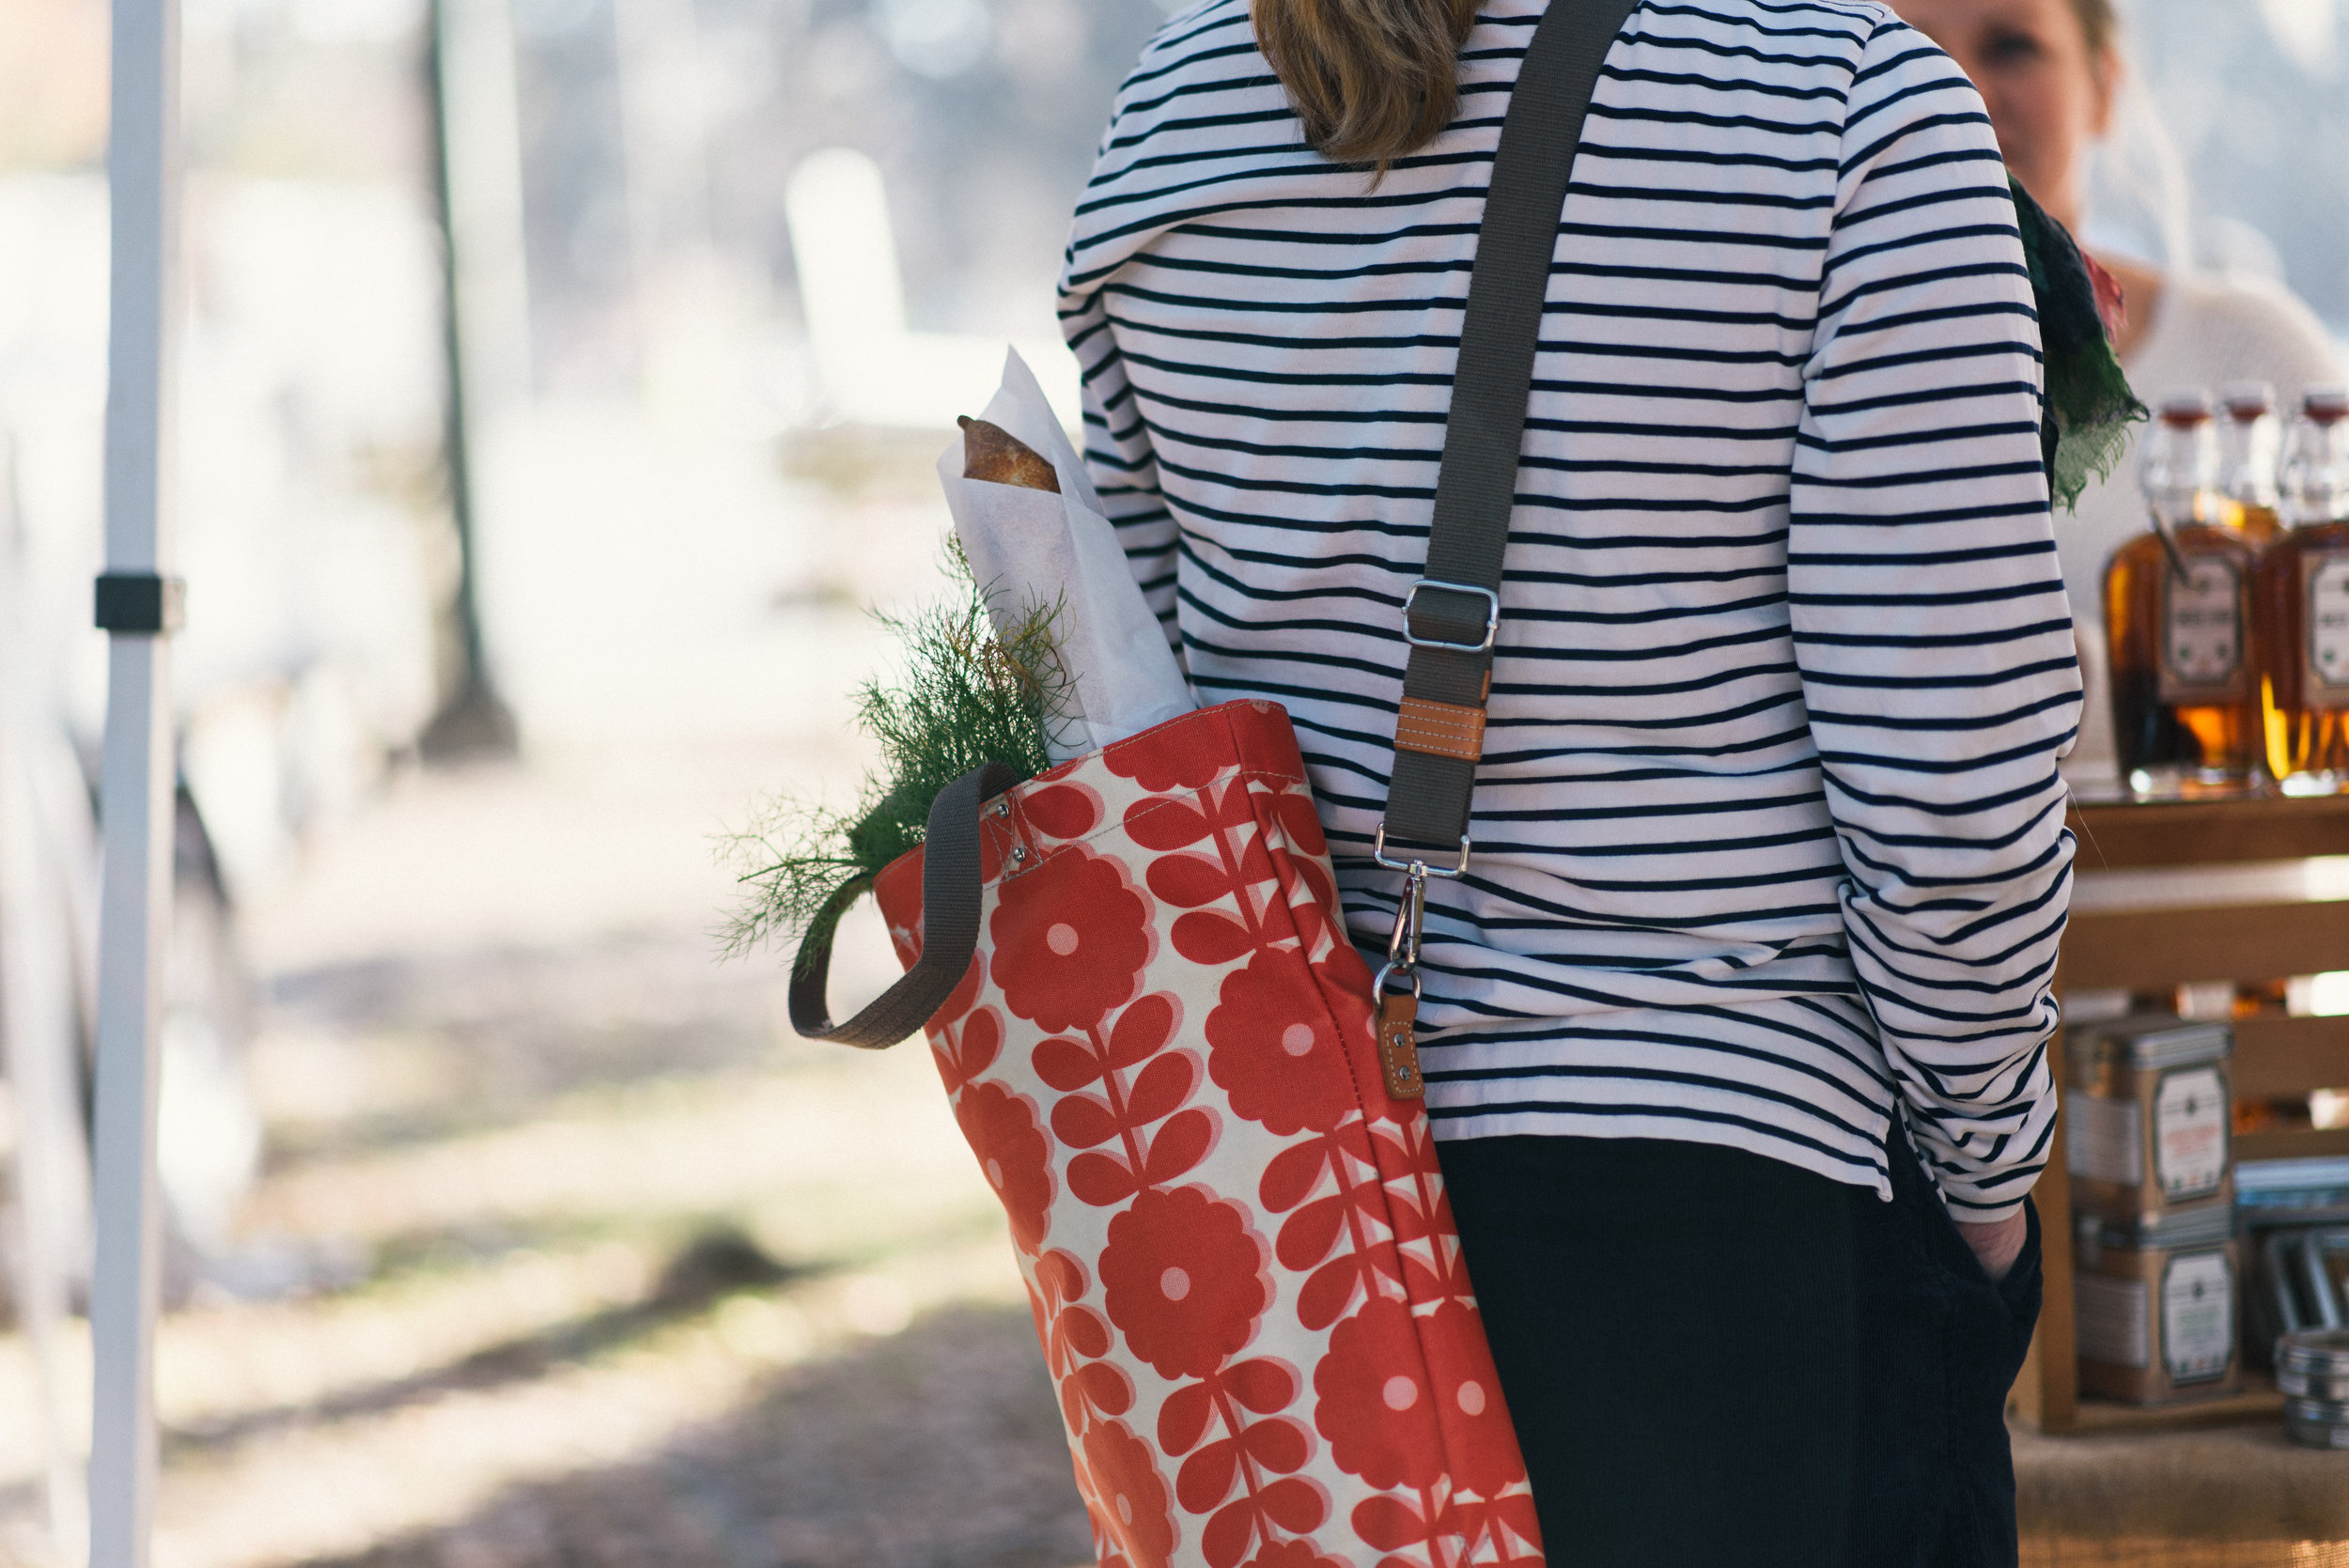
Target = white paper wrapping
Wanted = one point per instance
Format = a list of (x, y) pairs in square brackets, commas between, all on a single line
[(1031, 547)]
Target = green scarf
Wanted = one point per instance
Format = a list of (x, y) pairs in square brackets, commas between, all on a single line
[(2084, 424)]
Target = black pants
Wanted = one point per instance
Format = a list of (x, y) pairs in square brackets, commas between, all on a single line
[(1716, 1360)]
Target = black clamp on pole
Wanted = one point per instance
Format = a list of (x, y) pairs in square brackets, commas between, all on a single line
[(141, 602)]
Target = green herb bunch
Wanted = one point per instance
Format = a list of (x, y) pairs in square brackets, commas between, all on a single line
[(967, 695), (2089, 407)]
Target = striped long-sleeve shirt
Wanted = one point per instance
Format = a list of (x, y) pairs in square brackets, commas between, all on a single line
[(1768, 834)]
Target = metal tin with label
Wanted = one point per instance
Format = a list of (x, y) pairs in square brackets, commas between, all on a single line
[(2314, 1363), (2155, 1308), (2317, 1424), (2310, 1385), (2147, 1117)]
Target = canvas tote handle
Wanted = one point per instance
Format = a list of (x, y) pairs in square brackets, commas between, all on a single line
[(950, 926), (1451, 614)]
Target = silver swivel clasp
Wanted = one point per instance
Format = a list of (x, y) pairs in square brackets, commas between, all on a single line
[(1403, 943)]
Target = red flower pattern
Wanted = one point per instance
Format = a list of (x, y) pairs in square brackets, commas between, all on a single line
[(1000, 1128), (1071, 946), (1506, 1526), (1339, 1229), (966, 1047), (1275, 1049), (1466, 1392), (1062, 809), (1378, 1408), (1131, 1496), (1165, 977), (1183, 1279), (1159, 767), (1292, 1554)]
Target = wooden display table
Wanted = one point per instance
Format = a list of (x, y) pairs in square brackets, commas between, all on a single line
[(2144, 949), (2213, 1497)]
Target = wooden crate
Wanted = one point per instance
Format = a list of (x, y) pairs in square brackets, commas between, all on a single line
[(2275, 1057)]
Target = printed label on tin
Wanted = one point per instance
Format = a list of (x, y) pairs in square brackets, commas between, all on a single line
[(2110, 1321), (2325, 576), (2197, 1316), (2105, 1140), (2190, 1113), (2202, 632)]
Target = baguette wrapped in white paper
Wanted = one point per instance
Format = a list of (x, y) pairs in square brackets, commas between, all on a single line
[(1031, 547)]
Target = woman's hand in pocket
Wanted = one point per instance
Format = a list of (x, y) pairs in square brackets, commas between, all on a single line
[(1999, 1244)]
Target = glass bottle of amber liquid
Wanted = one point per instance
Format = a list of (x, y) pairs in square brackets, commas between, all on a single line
[(2248, 436), (2303, 604), (2185, 708)]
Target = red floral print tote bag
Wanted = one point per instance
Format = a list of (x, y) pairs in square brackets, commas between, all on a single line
[(1243, 1270)]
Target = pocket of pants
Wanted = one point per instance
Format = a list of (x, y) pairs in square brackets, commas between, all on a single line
[(1995, 1319), (2025, 1282), (1991, 1321)]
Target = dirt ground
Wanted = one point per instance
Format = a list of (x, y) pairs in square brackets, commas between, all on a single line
[(643, 1278), (637, 1277)]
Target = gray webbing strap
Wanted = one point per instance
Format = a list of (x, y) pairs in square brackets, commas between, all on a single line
[(950, 926), (1453, 613)]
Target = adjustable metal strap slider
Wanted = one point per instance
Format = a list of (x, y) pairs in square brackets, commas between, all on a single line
[(1438, 623), (141, 602)]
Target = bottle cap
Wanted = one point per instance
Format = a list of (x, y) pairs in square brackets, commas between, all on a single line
[(2325, 404), (2185, 408), (2247, 399)]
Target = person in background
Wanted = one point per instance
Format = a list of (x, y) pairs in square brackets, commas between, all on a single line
[(2050, 72)]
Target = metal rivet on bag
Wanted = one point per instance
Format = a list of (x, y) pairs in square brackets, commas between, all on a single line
[(1018, 853), (1003, 808)]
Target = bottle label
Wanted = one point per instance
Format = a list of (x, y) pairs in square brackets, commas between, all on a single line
[(2197, 1316), (2190, 1114), (2325, 582), (2202, 632)]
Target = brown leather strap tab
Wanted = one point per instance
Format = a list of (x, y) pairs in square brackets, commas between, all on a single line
[(1398, 1051), (1439, 729)]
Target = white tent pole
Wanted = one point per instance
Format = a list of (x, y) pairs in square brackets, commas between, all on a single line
[(139, 607)]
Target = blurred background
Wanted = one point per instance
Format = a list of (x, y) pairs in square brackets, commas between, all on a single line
[(509, 1224)]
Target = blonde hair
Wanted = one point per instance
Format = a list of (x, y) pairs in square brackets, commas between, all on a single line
[(2099, 22), (1373, 80)]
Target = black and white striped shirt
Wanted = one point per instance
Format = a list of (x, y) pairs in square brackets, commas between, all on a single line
[(1768, 833)]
